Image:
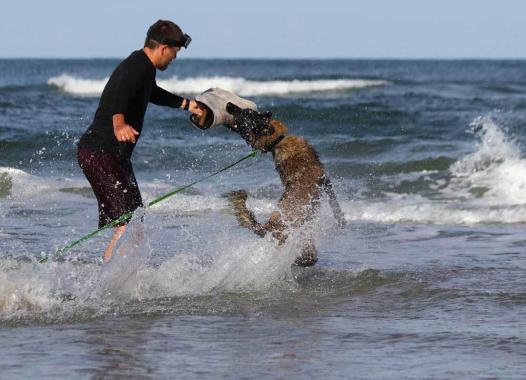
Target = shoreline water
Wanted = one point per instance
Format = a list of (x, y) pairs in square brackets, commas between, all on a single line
[(428, 164)]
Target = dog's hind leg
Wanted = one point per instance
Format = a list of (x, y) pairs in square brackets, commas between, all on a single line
[(333, 202)]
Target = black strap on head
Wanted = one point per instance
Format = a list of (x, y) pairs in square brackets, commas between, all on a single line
[(170, 41), (165, 40)]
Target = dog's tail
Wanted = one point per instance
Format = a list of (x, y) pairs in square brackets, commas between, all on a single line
[(244, 216), (333, 202)]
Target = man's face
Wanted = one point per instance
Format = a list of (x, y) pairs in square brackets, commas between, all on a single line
[(168, 54)]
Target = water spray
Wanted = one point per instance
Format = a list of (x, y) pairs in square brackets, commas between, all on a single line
[(127, 216)]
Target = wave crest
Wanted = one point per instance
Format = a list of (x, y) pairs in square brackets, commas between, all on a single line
[(495, 171), (238, 85)]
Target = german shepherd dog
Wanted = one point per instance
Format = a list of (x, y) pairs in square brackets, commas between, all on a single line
[(301, 173)]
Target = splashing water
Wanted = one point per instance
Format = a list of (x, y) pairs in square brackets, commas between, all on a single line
[(495, 172), (64, 290)]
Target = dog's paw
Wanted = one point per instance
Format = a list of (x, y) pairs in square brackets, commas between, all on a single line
[(305, 261)]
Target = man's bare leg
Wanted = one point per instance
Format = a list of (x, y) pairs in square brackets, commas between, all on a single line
[(117, 233)]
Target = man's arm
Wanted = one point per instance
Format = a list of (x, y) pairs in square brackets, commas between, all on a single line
[(162, 97)]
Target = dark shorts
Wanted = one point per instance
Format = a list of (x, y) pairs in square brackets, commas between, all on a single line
[(113, 183)]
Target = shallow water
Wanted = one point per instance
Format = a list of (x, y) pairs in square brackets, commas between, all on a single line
[(425, 281)]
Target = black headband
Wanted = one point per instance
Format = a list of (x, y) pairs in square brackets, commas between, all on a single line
[(170, 41)]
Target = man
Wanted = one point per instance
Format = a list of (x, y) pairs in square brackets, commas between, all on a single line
[(105, 149)]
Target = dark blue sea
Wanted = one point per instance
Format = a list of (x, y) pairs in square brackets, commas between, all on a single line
[(426, 281)]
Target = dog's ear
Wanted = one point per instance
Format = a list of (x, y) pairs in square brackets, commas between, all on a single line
[(231, 108)]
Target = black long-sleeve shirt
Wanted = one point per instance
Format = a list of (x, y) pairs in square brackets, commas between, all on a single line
[(130, 87)]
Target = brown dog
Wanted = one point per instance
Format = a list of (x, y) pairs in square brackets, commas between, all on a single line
[(301, 173)]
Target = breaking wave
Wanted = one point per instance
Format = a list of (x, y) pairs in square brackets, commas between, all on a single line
[(485, 186), (240, 86)]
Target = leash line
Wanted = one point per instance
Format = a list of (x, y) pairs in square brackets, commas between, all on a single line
[(127, 216)]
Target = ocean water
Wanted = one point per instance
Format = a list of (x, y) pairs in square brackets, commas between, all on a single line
[(426, 281)]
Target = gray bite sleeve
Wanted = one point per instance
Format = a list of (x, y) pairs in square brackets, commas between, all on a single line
[(215, 100)]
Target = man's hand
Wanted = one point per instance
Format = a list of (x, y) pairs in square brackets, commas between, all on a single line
[(123, 132), (194, 108)]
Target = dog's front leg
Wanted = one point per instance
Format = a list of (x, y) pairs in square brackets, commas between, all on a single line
[(238, 200), (247, 219)]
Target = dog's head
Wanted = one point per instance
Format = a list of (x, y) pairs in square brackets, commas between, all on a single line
[(258, 129)]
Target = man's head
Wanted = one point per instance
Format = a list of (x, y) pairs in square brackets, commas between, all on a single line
[(258, 129), (164, 39)]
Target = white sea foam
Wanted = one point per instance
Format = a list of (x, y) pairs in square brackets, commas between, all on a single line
[(238, 85), (415, 209)]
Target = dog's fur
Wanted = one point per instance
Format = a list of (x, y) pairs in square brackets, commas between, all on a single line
[(301, 173)]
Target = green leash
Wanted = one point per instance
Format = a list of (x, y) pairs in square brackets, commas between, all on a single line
[(126, 217)]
